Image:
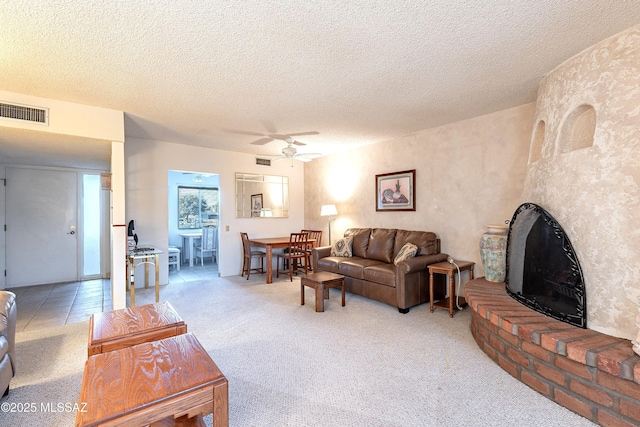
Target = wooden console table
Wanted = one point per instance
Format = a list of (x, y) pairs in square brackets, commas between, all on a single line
[(147, 383), (146, 256), (449, 269)]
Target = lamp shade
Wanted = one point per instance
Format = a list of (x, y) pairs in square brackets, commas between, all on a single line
[(328, 210)]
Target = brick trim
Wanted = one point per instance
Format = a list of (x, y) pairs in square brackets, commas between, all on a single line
[(592, 374)]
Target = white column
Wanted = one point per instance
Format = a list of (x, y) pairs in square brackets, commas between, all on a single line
[(118, 228)]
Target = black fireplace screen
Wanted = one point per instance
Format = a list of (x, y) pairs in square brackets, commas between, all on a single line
[(543, 272)]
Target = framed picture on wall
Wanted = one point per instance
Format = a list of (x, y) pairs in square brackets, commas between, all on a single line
[(256, 204), (396, 191)]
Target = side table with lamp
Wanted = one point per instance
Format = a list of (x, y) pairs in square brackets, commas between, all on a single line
[(449, 268)]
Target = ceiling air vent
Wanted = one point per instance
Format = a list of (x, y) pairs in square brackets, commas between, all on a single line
[(263, 162), (24, 113)]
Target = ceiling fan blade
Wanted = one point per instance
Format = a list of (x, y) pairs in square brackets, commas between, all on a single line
[(301, 158), (311, 155), (277, 159), (242, 132), (311, 132), (298, 143), (262, 141)]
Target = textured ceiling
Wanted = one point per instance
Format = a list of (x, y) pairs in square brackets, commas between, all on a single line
[(355, 72)]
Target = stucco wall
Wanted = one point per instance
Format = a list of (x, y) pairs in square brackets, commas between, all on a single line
[(468, 174), (146, 168), (593, 192)]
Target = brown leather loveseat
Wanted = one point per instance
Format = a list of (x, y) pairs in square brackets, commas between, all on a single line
[(371, 272)]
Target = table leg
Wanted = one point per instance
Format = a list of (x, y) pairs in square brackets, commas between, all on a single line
[(157, 263), (269, 264), (220, 417), (190, 251), (146, 273), (132, 281), (301, 293), (342, 292), (431, 292), (319, 298)]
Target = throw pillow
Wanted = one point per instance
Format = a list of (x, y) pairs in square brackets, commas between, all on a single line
[(409, 250), (343, 247)]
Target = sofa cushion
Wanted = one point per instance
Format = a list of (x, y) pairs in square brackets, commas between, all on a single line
[(343, 247), (409, 250), (331, 264), (360, 240), (381, 244), (424, 240), (354, 267), (384, 274)]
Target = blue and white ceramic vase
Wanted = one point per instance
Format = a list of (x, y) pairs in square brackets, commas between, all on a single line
[(493, 252)]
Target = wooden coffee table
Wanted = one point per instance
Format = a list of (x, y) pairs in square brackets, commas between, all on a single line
[(117, 329), (146, 383), (321, 282)]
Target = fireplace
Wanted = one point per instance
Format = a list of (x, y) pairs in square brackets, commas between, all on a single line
[(543, 272)]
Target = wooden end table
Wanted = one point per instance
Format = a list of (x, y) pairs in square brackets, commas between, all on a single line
[(321, 281), (126, 327), (147, 383), (445, 267)]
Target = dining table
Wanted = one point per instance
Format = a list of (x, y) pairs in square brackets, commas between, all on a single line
[(270, 243), (189, 237)]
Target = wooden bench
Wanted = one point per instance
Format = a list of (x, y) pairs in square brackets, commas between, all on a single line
[(118, 329), (152, 382)]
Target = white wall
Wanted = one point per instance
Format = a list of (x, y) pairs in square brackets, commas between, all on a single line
[(468, 174), (146, 166)]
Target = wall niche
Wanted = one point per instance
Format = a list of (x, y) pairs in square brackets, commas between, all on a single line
[(578, 129)]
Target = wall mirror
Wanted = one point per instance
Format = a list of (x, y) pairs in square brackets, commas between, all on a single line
[(262, 196)]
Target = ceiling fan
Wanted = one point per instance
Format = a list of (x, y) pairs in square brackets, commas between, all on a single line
[(290, 152), (272, 135)]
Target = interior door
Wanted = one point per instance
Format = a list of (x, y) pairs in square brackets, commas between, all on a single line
[(41, 218)]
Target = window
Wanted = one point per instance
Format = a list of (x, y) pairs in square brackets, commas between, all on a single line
[(197, 207)]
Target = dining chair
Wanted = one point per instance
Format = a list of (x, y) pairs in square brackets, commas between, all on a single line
[(208, 244), (248, 256), (297, 251), (315, 237)]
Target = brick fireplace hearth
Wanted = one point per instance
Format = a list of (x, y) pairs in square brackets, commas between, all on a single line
[(590, 373)]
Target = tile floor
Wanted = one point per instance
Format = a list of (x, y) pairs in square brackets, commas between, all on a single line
[(58, 304)]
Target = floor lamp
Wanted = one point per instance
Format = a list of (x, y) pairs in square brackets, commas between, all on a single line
[(330, 211)]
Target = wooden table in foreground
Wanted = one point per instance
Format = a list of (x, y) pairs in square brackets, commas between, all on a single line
[(445, 267), (116, 329), (147, 383), (270, 243), (321, 282)]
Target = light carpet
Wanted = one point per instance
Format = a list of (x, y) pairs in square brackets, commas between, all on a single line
[(360, 365)]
